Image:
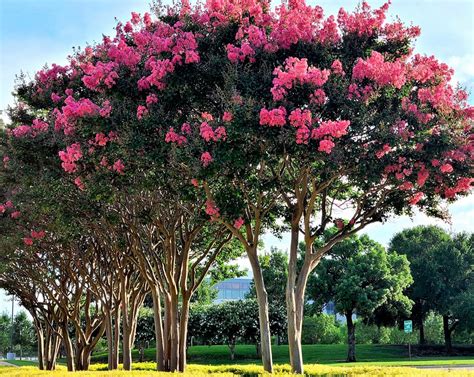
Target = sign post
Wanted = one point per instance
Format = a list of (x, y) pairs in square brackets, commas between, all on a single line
[(408, 328)]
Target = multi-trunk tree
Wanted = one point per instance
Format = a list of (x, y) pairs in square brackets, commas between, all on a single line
[(255, 118)]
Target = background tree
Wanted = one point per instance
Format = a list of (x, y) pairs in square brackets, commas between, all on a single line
[(417, 244), (358, 275), (442, 271), (24, 338)]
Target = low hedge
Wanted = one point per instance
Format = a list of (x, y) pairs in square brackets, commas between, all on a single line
[(146, 369)]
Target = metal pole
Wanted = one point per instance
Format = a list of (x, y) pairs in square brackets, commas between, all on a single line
[(11, 328)]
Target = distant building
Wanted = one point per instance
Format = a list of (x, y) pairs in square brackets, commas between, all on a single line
[(237, 289), (232, 289)]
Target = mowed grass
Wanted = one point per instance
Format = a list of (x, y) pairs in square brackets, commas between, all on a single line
[(332, 354), (21, 363)]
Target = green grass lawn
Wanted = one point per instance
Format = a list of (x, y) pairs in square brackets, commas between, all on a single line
[(335, 354)]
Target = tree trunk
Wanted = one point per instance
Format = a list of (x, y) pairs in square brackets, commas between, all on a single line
[(41, 351), (421, 326), (295, 288), (116, 342), (69, 349), (447, 334), (183, 332), (232, 349), (264, 320), (173, 333), (160, 364), (109, 334), (350, 338)]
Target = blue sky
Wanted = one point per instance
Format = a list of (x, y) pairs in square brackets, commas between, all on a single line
[(35, 32)]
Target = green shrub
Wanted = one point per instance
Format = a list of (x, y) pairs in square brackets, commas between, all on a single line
[(322, 329)]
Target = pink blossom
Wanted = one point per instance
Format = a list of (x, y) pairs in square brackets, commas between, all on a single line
[(382, 152), (446, 168), (220, 133), (6, 160), (28, 241), (406, 186), (15, 214), (416, 198), (80, 185), (326, 146), (206, 159), (336, 67), (335, 129), (69, 157), (383, 73), (302, 135), (118, 167), (195, 182), (273, 118), (55, 98), (38, 235), (239, 222), (211, 209), (21, 131), (206, 132), (2, 209), (206, 116), (296, 71), (151, 98), (141, 112), (186, 128), (101, 140), (423, 175), (173, 137), (9, 204), (100, 74), (106, 109), (227, 117)]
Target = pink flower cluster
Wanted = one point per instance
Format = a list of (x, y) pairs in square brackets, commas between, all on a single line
[(206, 159), (70, 156), (462, 185), (209, 134), (121, 53), (9, 207), (38, 127), (382, 152), (383, 73), (173, 137), (211, 209), (46, 77), (364, 21), (101, 73), (73, 110), (296, 71), (274, 117), (118, 167), (335, 129)]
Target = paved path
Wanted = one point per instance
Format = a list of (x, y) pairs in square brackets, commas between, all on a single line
[(446, 367), (7, 364)]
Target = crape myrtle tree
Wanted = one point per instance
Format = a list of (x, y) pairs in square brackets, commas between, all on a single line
[(359, 276), (167, 232), (333, 115), (253, 114)]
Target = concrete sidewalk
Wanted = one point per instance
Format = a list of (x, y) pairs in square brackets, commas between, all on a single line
[(7, 364)]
